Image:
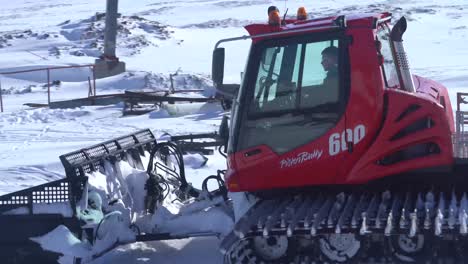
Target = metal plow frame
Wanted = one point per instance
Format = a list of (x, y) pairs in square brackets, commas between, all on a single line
[(15, 244), (129, 148)]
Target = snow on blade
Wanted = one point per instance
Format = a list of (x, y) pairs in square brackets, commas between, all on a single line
[(62, 240)]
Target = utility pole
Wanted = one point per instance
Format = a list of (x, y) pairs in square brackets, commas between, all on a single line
[(108, 64)]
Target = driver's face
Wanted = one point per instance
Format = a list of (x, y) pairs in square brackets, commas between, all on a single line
[(328, 62)]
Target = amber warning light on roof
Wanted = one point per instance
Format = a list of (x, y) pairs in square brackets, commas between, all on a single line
[(301, 13)]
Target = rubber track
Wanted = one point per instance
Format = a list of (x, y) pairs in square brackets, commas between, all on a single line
[(434, 213)]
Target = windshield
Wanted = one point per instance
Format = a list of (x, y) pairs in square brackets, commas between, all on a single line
[(297, 94)]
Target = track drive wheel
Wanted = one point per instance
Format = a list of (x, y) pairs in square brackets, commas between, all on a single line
[(340, 248), (406, 249), (271, 249)]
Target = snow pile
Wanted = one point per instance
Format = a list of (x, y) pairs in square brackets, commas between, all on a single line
[(122, 188), (150, 82), (182, 109), (223, 23), (111, 232), (159, 113), (155, 11), (194, 161), (134, 33), (215, 220), (133, 186), (6, 38), (44, 115), (61, 239), (22, 88)]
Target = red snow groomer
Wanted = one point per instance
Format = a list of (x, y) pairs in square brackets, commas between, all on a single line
[(347, 155), (336, 153)]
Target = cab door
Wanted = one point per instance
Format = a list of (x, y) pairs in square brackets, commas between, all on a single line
[(288, 114)]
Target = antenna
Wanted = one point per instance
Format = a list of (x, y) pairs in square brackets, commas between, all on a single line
[(283, 22)]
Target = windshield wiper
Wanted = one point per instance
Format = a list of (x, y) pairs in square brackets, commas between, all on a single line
[(327, 108), (321, 108), (289, 119)]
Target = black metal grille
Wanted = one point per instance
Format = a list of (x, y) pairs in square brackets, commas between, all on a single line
[(86, 160), (60, 191)]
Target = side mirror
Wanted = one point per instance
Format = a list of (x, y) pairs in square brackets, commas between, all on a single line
[(217, 67), (217, 74), (224, 130)]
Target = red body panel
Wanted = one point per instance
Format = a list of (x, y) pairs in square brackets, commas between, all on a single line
[(367, 169), (437, 93), (370, 108)]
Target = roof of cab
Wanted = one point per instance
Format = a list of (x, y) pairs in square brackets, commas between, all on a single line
[(352, 20)]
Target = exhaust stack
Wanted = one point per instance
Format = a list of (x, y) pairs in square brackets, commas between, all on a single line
[(399, 55)]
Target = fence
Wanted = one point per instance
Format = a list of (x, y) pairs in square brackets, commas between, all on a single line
[(91, 83), (461, 136)]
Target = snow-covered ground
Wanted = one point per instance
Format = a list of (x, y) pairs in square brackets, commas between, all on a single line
[(158, 38)]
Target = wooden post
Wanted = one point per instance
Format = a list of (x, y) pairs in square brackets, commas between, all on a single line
[(48, 86), (90, 89), (172, 83), (94, 79), (1, 98)]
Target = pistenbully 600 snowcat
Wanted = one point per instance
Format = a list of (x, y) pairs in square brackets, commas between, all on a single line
[(347, 162), (336, 153)]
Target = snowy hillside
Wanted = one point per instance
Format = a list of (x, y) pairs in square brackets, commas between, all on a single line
[(156, 39)]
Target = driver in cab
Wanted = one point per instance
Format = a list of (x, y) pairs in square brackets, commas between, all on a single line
[(330, 65), (327, 92)]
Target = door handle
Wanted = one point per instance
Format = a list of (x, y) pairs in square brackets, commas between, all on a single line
[(252, 152)]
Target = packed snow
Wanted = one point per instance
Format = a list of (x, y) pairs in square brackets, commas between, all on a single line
[(157, 39)]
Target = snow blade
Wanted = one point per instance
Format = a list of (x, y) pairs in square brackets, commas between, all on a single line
[(34, 212), (38, 210)]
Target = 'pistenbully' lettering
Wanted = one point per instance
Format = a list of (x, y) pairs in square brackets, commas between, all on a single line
[(300, 158)]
